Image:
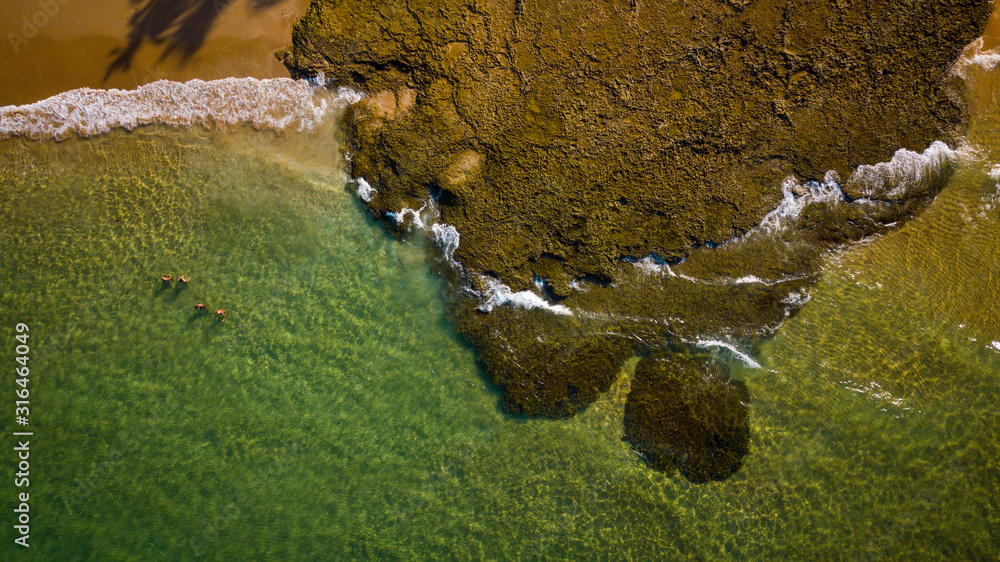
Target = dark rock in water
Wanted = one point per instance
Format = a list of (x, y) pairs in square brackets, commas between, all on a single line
[(684, 414), (545, 365)]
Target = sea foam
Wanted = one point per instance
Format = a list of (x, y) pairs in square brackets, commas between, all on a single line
[(278, 104), (746, 359), (365, 191), (796, 196), (497, 294), (907, 172), (974, 57), (447, 237), (415, 222)]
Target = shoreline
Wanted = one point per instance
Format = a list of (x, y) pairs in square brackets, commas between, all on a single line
[(75, 46)]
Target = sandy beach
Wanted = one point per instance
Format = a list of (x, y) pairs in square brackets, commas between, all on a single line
[(51, 47)]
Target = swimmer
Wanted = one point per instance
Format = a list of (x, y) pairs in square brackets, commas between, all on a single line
[(167, 278), (200, 307), (183, 280), (220, 315)]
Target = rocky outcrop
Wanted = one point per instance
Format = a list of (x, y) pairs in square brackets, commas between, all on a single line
[(545, 365), (671, 171), (684, 413), (563, 139)]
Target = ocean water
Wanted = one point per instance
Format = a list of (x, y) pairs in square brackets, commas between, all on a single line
[(334, 414)]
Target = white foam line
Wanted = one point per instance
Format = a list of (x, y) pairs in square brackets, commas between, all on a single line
[(795, 197), (417, 220), (907, 170), (448, 237), (746, 359), (497, 294), (278, 103), (649, 266), (444, 235)]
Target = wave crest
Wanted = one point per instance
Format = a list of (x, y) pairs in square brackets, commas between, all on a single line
[(278, 103)]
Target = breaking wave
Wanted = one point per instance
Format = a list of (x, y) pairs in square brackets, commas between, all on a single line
[(796, 196), (447, 237), (497, 294), (907, 172), (974, 57), (416, 220), (365, 191), (278, 104)]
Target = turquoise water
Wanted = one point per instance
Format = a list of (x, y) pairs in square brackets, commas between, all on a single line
[(334, 415)]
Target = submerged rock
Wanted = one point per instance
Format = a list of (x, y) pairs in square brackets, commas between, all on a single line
[(546, 365), (683, 413)]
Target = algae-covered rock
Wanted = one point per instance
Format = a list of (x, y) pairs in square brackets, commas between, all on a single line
[(564, 139), (667, 172), (545, 364), (683, 413)]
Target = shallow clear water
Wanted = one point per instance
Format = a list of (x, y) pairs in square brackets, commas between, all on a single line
[(334, 415)]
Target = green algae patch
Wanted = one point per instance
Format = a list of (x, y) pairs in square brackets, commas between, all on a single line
[(334, 416), (684, 413)]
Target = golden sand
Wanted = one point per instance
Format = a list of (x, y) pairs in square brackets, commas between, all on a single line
[(50, 46)]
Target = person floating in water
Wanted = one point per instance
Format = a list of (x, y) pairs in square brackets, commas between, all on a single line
[(220, 315), (166, 278), (183, 280), (200, 307)]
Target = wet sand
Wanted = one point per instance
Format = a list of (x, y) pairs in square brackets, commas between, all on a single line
[(991, 36), (50, 46)]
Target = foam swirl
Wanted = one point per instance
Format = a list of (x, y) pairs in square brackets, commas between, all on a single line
[(974, 57)]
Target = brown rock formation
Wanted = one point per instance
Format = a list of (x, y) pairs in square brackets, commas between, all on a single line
[(563, 141), (604, 129)]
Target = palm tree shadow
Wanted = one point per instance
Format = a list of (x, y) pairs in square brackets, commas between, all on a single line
[(181, 26)]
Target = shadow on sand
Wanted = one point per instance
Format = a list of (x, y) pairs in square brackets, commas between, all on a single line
[(181, 26)]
